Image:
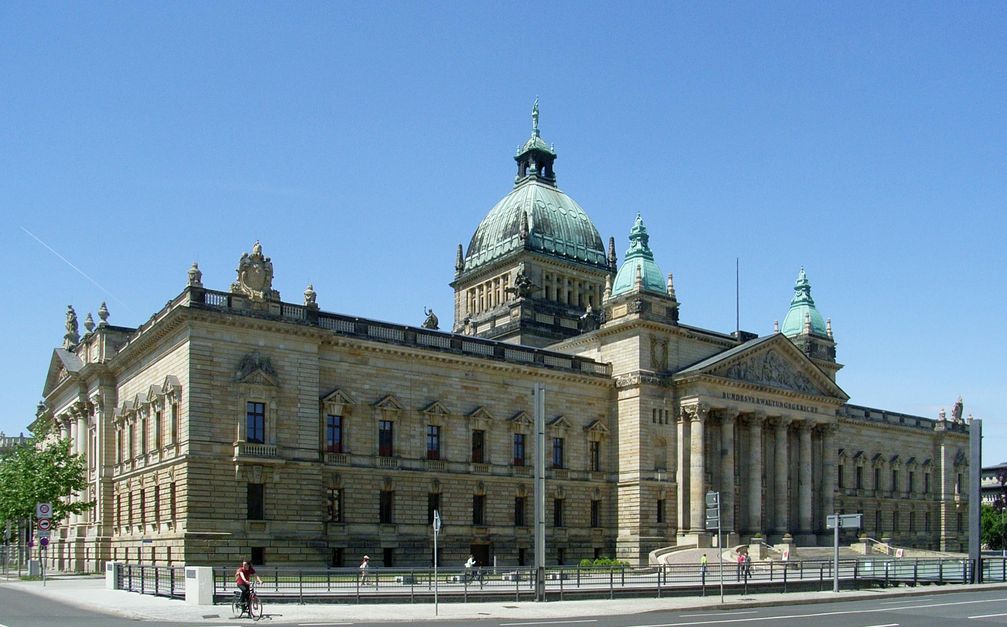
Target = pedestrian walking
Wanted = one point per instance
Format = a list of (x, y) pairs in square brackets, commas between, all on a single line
[(748, 565), (741, 565), (702, 567), (363, 569), (469, 564)]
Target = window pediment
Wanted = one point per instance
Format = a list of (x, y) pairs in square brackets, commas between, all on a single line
[(521, 421), (559, 424), (256, 369), (336, 402), (597, 429), (436, 409)]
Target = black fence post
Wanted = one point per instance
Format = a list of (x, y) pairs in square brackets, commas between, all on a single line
[(611, 583), (300, 586), (916, 572), (157, 581), (785, 569)]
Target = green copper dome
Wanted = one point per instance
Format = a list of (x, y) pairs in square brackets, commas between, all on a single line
[(639, 256), (536, 215), (802, 306)]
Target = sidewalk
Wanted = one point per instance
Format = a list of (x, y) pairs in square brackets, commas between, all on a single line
[(90, 593)]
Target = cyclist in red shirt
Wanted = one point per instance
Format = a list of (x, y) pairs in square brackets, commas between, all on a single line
[(242, 578)]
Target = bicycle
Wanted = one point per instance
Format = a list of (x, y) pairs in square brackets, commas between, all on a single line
[(253, 607)]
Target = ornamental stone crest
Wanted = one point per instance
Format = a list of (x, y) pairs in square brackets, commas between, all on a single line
[(255, 276), (772, 370)]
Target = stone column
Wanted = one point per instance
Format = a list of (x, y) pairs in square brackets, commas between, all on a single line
[(697, 468), (805, 478), (829, 481), (782, 488), (682, 470), (727, 470), (755, 473)]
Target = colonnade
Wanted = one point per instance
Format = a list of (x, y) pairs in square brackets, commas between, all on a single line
[(775, 473)]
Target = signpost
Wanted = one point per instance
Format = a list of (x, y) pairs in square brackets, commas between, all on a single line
[(43, 512), (837, 522), (713, 522), (437, 532)]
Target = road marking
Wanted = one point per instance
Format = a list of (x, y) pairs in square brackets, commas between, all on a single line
[(321, 624), (550, 622), (987, 616), (802, 616), (885, 625), (718, 614)]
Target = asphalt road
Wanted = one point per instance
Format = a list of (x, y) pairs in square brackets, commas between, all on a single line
[(982, 607)]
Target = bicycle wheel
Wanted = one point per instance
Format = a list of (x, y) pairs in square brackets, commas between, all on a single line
[(236, 606), (255, 608)]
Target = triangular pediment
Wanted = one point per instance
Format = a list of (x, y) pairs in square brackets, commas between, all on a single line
[(559, 422), (389, 403), (338, 397), (436, 409), (62, 365), (481, 413), (521, 418), (769, 362), (256, 369), (597, 427)]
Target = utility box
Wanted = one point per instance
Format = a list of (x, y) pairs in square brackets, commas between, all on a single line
[(34, 568), (199, 585)]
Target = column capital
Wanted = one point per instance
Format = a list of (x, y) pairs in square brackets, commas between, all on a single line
[(755, 417), (728, 416), (696, 412), (781, 422), (806, 425)]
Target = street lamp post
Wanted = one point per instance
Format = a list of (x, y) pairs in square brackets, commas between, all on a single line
[(1002, 478)]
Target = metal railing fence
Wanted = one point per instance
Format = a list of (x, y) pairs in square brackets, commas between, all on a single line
[(166, 581)]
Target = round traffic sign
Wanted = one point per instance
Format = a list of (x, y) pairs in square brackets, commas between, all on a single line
[(44, 542), (45, 524)]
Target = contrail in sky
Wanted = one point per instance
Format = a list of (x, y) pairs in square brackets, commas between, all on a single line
[(67, 262)]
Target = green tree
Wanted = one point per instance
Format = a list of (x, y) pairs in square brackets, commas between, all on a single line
[(41, 471), (993, 527)]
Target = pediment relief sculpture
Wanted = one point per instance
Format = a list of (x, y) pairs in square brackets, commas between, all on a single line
[(772, 370), (256, 369)]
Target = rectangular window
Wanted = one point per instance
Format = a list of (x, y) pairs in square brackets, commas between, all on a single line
[(557, 452), (175, 436), (385, 438), (860, 477), (143, 435), (895, 523), (595, 455), (171, 501), (926, 521), (433, 442), (877, 479), (433, 505), (129, 510), (959, 487), (479, 510), (255, 422), (143, 506), (335, 505), (258, 556), (912, 481), (478, 447), (519, 449), (333, 434), (839, 476), (877, 522), (660, 511), (895, 480), (157, 504), (561, 556), (519, 505), (256, 501), (926, 483), (389, 557), (557, 512), (596, 513), (336, 558), (118, 510), (158, 431), (522, 557), (385, 507)]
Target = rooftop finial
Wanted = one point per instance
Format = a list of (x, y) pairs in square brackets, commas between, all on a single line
[(534, 118)]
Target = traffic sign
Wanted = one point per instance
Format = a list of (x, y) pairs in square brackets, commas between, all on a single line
[(42, 534), (44, 542), (846, 521), (43, 510), (44, 524)]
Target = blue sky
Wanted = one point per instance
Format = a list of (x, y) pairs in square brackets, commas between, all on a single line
[(361, 142)]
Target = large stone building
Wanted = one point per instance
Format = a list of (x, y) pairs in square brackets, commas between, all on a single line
[(234, 423)]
